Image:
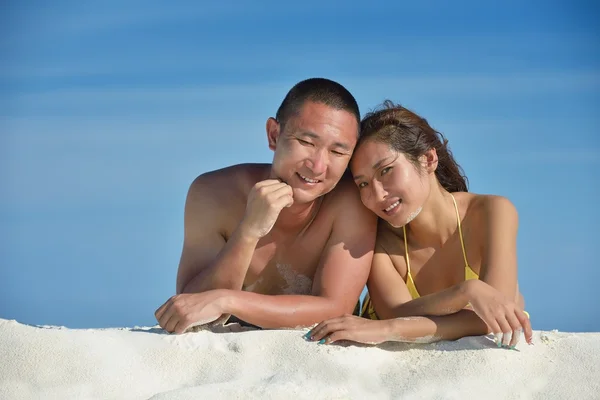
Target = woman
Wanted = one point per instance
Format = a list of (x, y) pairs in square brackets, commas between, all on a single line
[(442, 253)]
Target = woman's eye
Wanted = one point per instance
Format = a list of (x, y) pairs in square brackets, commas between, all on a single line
[(385, 170), (362, 185)]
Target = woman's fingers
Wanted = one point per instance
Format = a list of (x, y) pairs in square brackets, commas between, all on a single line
[(492, 325), (516, 329), (525, 324), (323, 329), (505, 331), (337, 336)]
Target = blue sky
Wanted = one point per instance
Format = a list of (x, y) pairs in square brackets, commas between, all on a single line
[(109, 111)]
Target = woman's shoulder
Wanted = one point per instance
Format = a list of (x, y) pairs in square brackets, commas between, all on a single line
[(479, 208), (389, 239)]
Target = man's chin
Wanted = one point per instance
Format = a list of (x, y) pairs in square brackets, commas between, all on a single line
[(303, 196)]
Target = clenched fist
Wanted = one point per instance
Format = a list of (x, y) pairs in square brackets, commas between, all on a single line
[(265, 202)]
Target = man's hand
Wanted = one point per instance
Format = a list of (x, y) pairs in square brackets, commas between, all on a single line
[(265, 202), (183, 311)]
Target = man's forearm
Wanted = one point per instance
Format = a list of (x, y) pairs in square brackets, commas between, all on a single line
[(229, 268), (281, 311), (448, 301), (432, 329)]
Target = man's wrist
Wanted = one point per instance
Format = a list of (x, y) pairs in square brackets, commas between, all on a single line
[(243, 235), (227, 300)]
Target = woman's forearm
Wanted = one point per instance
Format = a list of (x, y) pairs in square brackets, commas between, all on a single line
[(436, 328), (445, 302)]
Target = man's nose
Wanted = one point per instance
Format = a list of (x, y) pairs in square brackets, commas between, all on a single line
[(317, 162)]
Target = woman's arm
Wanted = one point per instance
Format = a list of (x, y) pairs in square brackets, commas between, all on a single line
[(492, 297), (408, 329), (387, 288)]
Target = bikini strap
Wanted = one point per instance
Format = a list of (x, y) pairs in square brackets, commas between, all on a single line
[(406, 252), (462, 243)]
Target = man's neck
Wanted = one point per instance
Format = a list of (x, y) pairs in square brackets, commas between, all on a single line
[(436, 223), (297, 217)]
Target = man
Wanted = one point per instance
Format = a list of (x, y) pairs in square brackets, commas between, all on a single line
[(286, 244)]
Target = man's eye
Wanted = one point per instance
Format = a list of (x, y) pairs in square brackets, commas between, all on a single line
[(337, 153), (304, 142)]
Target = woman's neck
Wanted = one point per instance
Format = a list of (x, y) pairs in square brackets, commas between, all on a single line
[(436, 222)]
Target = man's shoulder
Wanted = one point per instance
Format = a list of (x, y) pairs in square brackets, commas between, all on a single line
[(227, 181), (344, 193), (344, 203)]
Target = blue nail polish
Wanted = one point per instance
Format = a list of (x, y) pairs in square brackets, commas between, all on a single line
[(322, 341)]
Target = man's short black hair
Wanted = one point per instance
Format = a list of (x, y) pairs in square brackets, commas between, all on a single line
[(317, 90)]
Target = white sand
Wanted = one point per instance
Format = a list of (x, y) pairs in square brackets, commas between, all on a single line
[(143, 363)]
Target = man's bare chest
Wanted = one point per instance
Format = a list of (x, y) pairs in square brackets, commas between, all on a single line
[(286, 265)]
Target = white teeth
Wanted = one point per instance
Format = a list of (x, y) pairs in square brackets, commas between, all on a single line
[(392, 206), (308, 179)]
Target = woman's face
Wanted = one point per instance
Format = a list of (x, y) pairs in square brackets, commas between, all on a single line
[(389, 184)]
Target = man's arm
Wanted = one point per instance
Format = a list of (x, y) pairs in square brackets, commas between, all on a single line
[(340, 277), (339, 280), (207, 261)]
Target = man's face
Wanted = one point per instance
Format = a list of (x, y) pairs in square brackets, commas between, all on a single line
[(313, 149)]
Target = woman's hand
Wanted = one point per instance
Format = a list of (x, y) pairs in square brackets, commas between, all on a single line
[(353, 328), (502, 316)]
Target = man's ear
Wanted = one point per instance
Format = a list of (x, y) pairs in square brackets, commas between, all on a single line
[(429, 161), (273, 130)]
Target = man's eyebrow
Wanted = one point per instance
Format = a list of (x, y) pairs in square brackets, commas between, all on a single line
[(313, 135), (375, 166)]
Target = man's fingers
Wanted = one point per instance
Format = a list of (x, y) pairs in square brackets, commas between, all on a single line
[(268, 182), (169, 319), (180, 326), (270, 187), (165, 315), (285, 200), (283, 192), (169, 323), (161, 310)]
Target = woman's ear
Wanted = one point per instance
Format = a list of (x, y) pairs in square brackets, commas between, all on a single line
[(273, 130), (429, 161)]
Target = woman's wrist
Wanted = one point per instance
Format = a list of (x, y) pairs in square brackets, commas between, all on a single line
[(394, 329), (469, 289)]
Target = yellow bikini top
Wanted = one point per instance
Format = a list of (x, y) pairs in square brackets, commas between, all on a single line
[(469, 273)]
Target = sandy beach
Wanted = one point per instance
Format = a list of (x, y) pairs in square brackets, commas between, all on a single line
[(41, 362)]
